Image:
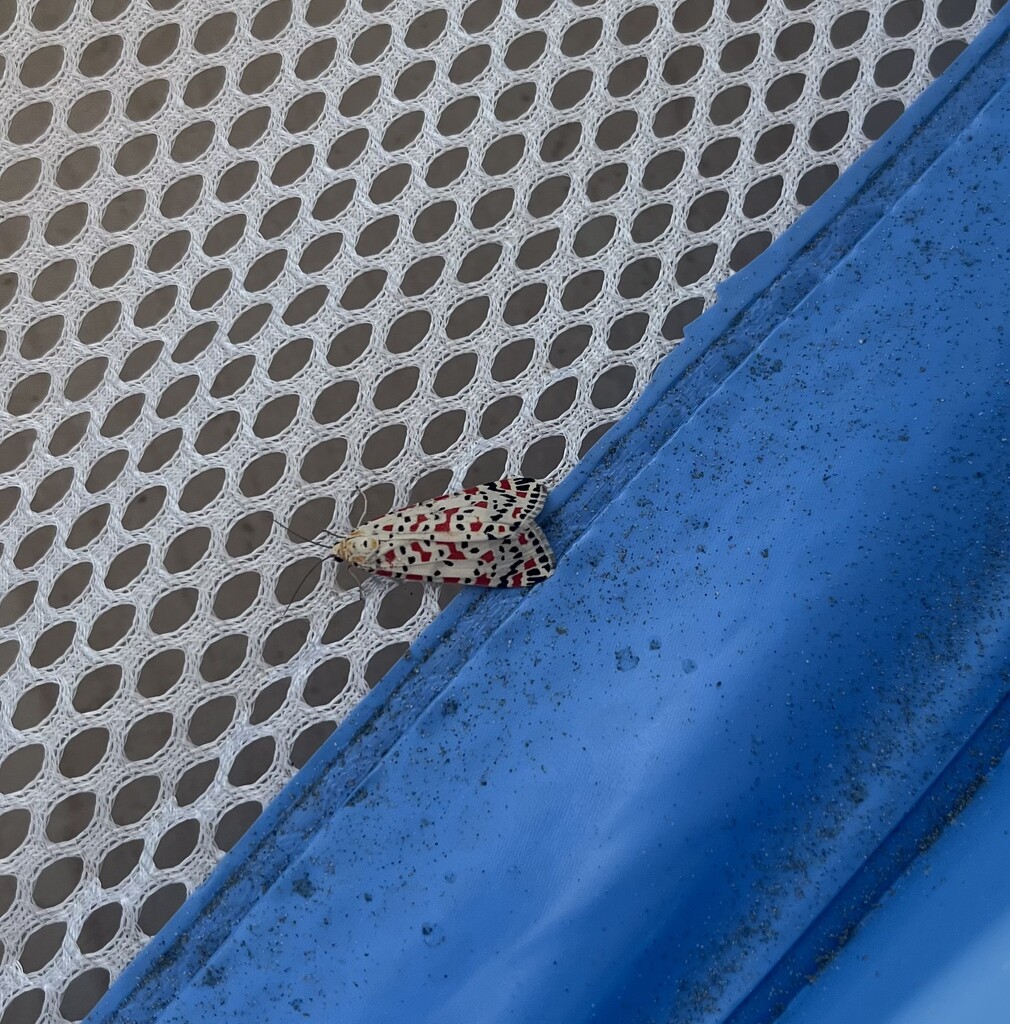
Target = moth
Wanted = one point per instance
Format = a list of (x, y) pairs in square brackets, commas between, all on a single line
[(484, 536)]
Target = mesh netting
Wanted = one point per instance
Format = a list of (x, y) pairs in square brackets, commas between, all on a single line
[(319, 259)]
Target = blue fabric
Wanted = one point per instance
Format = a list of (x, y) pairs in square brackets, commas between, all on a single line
[(636, 792)]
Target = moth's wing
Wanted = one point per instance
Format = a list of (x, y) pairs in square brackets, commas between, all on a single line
[(518, 560), (487, 510)]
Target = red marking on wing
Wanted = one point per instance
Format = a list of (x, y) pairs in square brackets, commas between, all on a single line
[(453, 552), (446, 525), (522, 539), (418, 522), (419, 549), (388, 527), (488, 556), (390, 555)]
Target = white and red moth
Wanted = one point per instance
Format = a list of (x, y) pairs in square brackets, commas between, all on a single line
[(483, 536)]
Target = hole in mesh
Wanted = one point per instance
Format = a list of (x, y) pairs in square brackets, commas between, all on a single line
[(269, 701), (794, 41), (613, 387), (253, 762), (308, 742), (582, 289), (395, 388), (30, 123), (13, 830), (195, 781), (201, 490), (236, 595), (447, 167), (480, 261), (828, 131), (49, 15), (177, 844), (210, 288), (680, 316), (24, 1008), (160, 906), (52, 644), (224, 235), (346, 620), (953, 13), (52, 490), (422, 276), (616, 130), (167, 252), (18, 180), (32, 549), (160, 451), (594, 235), (181, 196), (839, 79), (28, 394), (285, 641), (135, 155), (135, 800), (248, 129), (627, 332), (695, 264), (237, 181), (34, 707), (147, 100), (272, 19), (499, 415), (248, 534), (127, 566), (335, 402), (293, 165), (548, 196), (525, 50), (119, 862), (70, 817), (20, 767), (359, 96), (570, 344), (13, 232), (160, 673), (773, 144), (70, 585), (903, 18), (383, 446), (443, 431), (16, 602), (322, 461), (42, 66), (523, 304), (763, 196), (815, 183), (535, 252), (41, 946), (54, 280), (320, 252), (177, 396), (111, 627), (234, 824), (893, 68), (155, 306), (259, 74), (224, 657), (378, 235), (174, 610), (100, 927), (400, 606), (363, 289), (42, 336), (740, 53), (627, 77), (56, 881), (299, 579), (381, 663), (639, 278), (785, 91), (210, 720), (261, 474), (217, 432), (543, 457), (458, 116), (97, 688), (143, 508), (122, 415), (434, 221), (512, 360), (556, 400), (454, 374), (945, 55), (849, 28), (275, 416), (370, 44), (81, 995)]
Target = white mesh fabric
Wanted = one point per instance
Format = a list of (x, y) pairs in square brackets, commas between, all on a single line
[(256, 257)]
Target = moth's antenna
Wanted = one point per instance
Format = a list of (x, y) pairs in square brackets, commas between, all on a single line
[(301, 583), (308, 540)]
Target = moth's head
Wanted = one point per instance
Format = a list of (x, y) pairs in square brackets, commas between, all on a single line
[(359, 549)]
